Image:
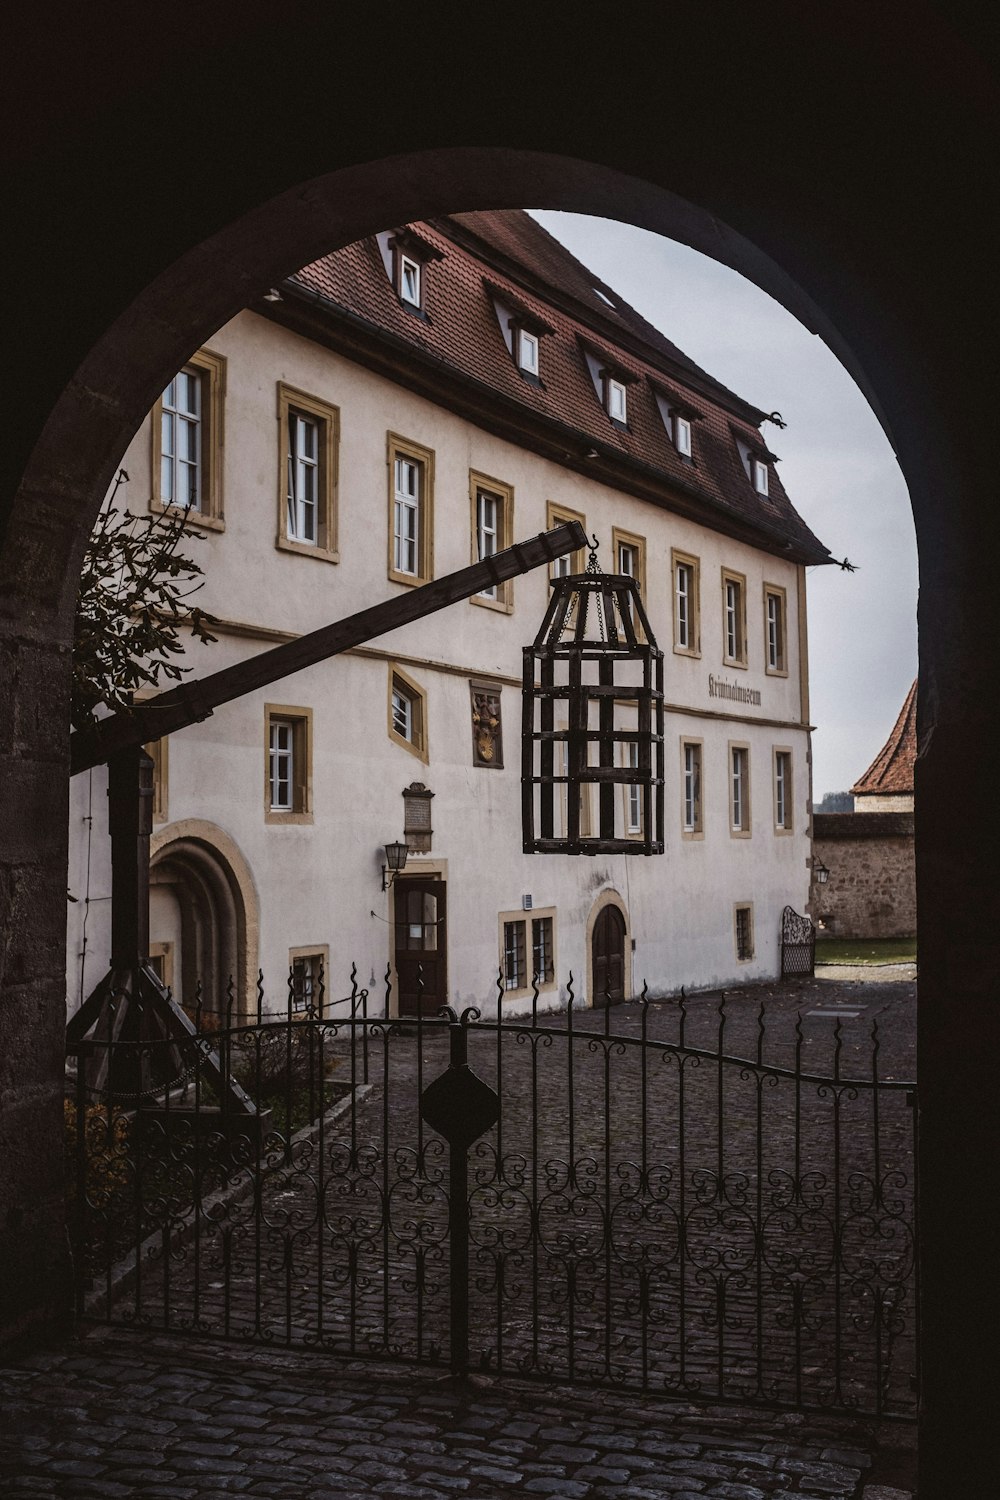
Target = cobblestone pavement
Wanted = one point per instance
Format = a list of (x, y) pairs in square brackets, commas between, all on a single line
[(119, 1415), (578, 1266)]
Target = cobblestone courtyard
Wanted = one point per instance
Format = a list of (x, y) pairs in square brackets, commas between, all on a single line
[(123, 1416), (158, 1414)]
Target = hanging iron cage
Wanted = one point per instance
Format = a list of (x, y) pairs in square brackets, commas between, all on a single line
[(592, 722)]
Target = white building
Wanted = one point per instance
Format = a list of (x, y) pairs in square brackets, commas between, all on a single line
[(397, 409)]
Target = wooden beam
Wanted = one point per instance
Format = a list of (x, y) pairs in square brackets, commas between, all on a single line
[(190, 702)]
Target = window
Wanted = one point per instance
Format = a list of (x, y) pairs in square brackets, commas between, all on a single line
[(161, 961), (406, 256), (303, 477), (288, 772), (307, 981), (307, 490), (180, 456), (406, 516), (411, 480), (407, 713), (774, 629), (614, 399), (629, 553), (682, 435), (157, 750), (515, 971), (187, 440), (542, 962), (633, 793), (282, 765), (686, 588), (524, 965), (739, 796), (734, 628), (492, 531), (409, 280), (527, 351), (691, 817), (570, 562), (560, 769), (758, 472), (783, 791), (743, 930)]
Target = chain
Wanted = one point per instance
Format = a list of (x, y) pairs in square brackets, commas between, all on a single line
[(184, 1078), (593, 568)]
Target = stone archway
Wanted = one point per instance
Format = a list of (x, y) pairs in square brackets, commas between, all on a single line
[(848, 152), (198, 870)]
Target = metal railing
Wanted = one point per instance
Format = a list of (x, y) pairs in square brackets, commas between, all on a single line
[(698, 1197)]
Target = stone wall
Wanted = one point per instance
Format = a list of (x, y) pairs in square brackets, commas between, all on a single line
[(871, 892)]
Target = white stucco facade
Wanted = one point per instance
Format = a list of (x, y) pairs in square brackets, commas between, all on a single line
[(315, 884)]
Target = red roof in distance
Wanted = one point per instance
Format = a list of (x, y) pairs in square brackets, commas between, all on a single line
[(891, 772)]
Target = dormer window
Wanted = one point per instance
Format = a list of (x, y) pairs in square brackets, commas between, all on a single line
[(409, 280), (679, 416), (527, 352), (755, 458), (407, 257), (523, 327), (611, 380), (614, 399)]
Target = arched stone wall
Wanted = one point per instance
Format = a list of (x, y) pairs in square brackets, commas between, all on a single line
[(158, 183)]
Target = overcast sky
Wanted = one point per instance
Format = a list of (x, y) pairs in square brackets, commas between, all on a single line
[(836, 464)]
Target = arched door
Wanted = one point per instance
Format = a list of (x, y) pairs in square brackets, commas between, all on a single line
[(608, 957)]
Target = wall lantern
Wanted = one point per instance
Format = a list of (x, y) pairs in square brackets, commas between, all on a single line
[(820, 872), (395, 860), (592, 722)]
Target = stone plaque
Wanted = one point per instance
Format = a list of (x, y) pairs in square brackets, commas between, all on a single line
[(417, 817)]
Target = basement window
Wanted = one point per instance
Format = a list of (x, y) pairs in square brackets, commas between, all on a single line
[(743, 927)]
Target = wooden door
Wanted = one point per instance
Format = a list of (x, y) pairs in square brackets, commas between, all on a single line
[(608, 954), (421, 942)]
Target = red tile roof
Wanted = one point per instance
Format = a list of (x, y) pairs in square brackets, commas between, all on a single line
[(486, 253), (892, 769)]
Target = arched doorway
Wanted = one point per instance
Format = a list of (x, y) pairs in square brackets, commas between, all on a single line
[(778, 131), (204, 921), (607, 958)]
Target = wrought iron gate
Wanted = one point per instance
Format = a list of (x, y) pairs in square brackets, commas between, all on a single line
[(672, 1196), (798, 945)]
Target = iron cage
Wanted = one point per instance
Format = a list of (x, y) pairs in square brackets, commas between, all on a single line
[(593, 716)]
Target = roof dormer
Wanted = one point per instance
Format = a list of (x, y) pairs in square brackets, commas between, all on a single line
[(406, 256), (611, 382), (523, 329), (756, 460), (679, 415)]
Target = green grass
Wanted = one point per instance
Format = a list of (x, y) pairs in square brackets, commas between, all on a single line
[(866, 950)]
